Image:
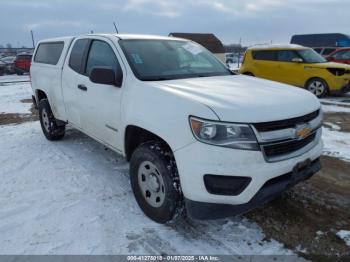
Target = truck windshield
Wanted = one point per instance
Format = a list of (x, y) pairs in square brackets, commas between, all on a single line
[(156, 60), (311, 56)]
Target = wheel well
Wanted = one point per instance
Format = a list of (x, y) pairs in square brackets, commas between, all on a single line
[(40, 95), (135, 136)]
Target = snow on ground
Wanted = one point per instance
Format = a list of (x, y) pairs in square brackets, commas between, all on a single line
[(13, 78), (336, 144), (335, 109), (345, 235), (74, 197), (11, 95)]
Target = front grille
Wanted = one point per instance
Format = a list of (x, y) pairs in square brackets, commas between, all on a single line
[(287, 123), (289, 147)]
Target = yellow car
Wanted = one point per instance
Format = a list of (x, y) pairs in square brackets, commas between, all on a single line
[(298, 66)]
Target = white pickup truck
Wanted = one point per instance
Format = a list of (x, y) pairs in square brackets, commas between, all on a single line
[(199, 138)]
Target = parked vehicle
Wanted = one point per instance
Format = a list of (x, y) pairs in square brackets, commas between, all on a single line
[(340, 56), (298, 66), (322, 40), (197, 136), (233, 58), (9, 62), (22, 63), (2, 68), (326, 51)]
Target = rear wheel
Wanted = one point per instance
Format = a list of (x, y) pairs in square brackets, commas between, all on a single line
[(48, 122), (155, 182), (317, 86)]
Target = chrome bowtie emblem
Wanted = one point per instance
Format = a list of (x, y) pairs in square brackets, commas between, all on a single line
[(302, 131)]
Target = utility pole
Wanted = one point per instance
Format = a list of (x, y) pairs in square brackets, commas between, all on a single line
[(32, 34), (115, 27)]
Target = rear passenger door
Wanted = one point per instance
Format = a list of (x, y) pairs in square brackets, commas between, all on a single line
[(265, 62), (96, 107), (290, 72)]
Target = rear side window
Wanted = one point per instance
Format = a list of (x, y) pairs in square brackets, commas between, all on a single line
[(267, 55), (49, 53), (77, 54), (327, 51), (24, 57)]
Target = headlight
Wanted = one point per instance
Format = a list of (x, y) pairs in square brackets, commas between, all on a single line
[(237, 136)]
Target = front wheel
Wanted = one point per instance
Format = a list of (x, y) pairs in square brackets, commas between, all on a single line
[(155, 182), (48, 122), (248, 74), (317, 86)]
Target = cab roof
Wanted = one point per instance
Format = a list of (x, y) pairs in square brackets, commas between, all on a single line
[(120, 36), (140, 36)]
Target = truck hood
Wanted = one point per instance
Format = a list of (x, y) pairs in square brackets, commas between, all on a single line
[(244, 99)]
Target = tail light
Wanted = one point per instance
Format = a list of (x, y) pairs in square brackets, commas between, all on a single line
[(245, 54)]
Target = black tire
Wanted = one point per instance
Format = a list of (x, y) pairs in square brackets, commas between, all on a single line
[(48, 122), (317, 86), (249, 74), (157, 154)]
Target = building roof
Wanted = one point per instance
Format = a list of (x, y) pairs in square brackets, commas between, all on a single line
[(209, 41)]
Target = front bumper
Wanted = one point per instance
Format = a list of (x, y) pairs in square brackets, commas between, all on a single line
[(345, 89), (271, 189), (196, 160)]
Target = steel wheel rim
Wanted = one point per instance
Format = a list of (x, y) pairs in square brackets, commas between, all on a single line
[(317, 88), (46, 120), (151, 184)]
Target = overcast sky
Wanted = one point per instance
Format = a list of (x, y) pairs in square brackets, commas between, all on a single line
[(255, 21)]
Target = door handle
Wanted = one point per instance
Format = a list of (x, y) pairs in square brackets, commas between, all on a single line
[(82, 87)]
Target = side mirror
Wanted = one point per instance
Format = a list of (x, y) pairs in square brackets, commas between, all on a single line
[(297, 60), (106, 76)]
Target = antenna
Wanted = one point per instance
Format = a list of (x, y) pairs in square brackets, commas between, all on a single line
[(33, 42), (115, 26)]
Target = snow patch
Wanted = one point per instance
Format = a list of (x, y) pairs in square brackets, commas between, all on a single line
[(11, 96), (335, 109), (336, 144), (74, 197), (345, 235), (13, 78)]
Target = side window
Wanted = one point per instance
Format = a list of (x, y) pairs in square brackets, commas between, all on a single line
[(101, 54), (49, 53), (77, 54), (342, 55), (327, 51), (318, 50), (267, 55), (287, 55)]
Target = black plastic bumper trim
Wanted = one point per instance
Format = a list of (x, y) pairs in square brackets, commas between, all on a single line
[(270, 190)]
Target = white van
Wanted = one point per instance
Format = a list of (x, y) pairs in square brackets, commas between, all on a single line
[(198, 137)]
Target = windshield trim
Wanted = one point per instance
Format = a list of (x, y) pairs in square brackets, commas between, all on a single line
[(168, 77)]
